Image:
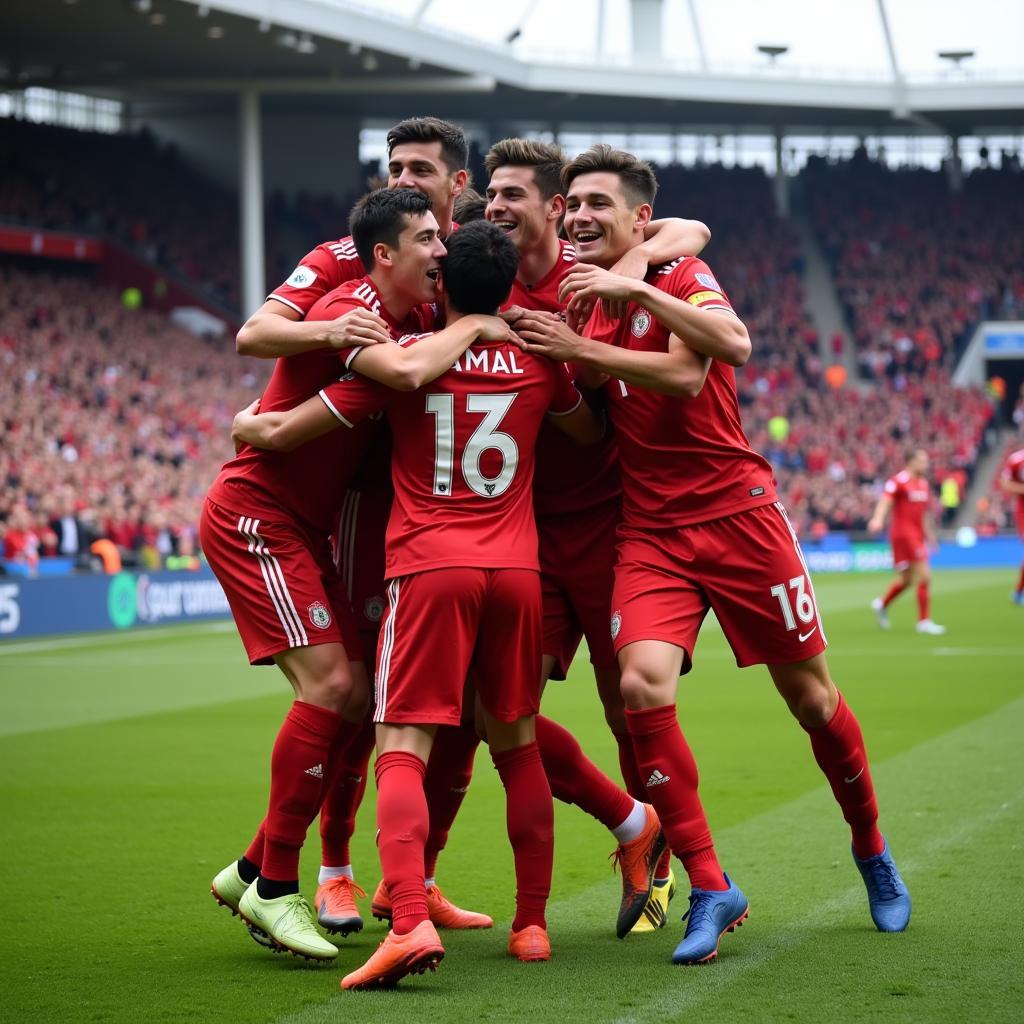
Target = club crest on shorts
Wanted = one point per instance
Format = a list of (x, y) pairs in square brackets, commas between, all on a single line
[(319, 615), (374, 608), (616, 623), (640, 323)]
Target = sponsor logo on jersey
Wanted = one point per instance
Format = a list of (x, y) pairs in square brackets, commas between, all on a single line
[(756, 492), (708, 281), (641, 323), (698, 297), (616, 624), (374, 608), (302, 277), (319, 615)]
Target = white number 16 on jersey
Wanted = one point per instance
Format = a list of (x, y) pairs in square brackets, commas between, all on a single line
[(803, 603), (484, 438)]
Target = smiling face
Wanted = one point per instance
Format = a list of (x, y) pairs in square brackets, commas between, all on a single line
[(600, 219), (517, 206), (415, 263), (420, 165)]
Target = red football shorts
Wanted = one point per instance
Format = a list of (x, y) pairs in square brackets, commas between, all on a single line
[(907, 549), (577, 566), (280, 584), (441, 624), (359, 556), (747, 567)]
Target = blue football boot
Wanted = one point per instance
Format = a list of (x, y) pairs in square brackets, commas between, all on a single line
[(711, 914), (888, 896)]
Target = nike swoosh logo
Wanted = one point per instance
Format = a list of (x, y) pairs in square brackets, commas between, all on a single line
[(855, 777), (807, 636)]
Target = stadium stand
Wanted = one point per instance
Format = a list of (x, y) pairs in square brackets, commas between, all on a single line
[(104, 436)]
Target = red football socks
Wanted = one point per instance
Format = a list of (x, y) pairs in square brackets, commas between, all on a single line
[(923, 602), (402, 824), (344, 795), (531, 830), (636, 789), (893, 592), (254, 853), (449, 772), (575, 779), (666, 762), (298, 766), (839, 750)]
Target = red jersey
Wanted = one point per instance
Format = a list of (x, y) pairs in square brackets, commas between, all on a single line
[(683, 460), (328, 266), (910, 498), (463, 456), (306, 484), (569, 477), (1013, 472)]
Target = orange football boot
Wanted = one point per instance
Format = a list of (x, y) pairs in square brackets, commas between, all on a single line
[(530, 945), (398, 955), (637, 860), (336, 908), (443, 913)]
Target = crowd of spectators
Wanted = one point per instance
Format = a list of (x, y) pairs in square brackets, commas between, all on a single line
[(916, 264), (114, 422)]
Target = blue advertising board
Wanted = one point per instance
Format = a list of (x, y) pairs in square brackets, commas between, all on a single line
[(84, 604)]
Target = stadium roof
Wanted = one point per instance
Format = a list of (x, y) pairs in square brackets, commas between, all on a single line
[(741, 63)]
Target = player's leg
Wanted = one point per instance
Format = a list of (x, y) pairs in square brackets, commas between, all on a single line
[(271, 571), (921, 574), (839, 749), (506, 663), (411, 945), (903, 580), (418, 687)]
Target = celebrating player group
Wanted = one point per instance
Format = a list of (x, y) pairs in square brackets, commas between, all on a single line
[(479, 445)]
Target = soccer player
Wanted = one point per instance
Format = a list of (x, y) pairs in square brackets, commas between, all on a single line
[(463, 591), (702, 528), (577, 501), (908, 495), (265, 528), (1012, 481), (426, 155)]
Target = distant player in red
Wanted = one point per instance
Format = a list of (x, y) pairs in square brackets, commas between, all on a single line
[(909, 496), (427, 155), (577, 500), (463, 592), (702, 529), (265, 529), (1012, 481)]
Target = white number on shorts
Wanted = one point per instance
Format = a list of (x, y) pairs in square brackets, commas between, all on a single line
[(804, 604), (485, 438)]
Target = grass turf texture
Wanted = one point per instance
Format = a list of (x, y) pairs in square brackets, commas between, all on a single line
[(134, 767)]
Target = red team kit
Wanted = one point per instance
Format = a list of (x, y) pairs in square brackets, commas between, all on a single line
[(453, 533)]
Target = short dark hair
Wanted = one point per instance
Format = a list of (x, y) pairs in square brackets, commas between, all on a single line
[(469, 206), (479, 268), (380, 217), (454, 148), (546, 159), (637, 176)]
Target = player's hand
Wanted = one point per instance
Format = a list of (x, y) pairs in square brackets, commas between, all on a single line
[(547, 335), (874, 525), (578, 311), (512, 314), (587, 280), (634, 266), (494, 328), (356, 327), (240, 423)]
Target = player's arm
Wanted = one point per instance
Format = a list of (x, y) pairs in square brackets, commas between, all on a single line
[(878, 517), (1010, 485), (406, 368), (285, 430), (276, 329), (668, 239), (680, 371)]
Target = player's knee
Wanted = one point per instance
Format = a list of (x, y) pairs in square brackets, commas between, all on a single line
[(333, 688), (639, 689)]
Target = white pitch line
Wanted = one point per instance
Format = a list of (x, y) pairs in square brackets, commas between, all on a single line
[(16, 647)]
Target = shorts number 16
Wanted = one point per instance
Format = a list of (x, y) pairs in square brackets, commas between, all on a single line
[(803, 601)]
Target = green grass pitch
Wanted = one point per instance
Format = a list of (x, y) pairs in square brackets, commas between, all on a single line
[(134, 767)]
